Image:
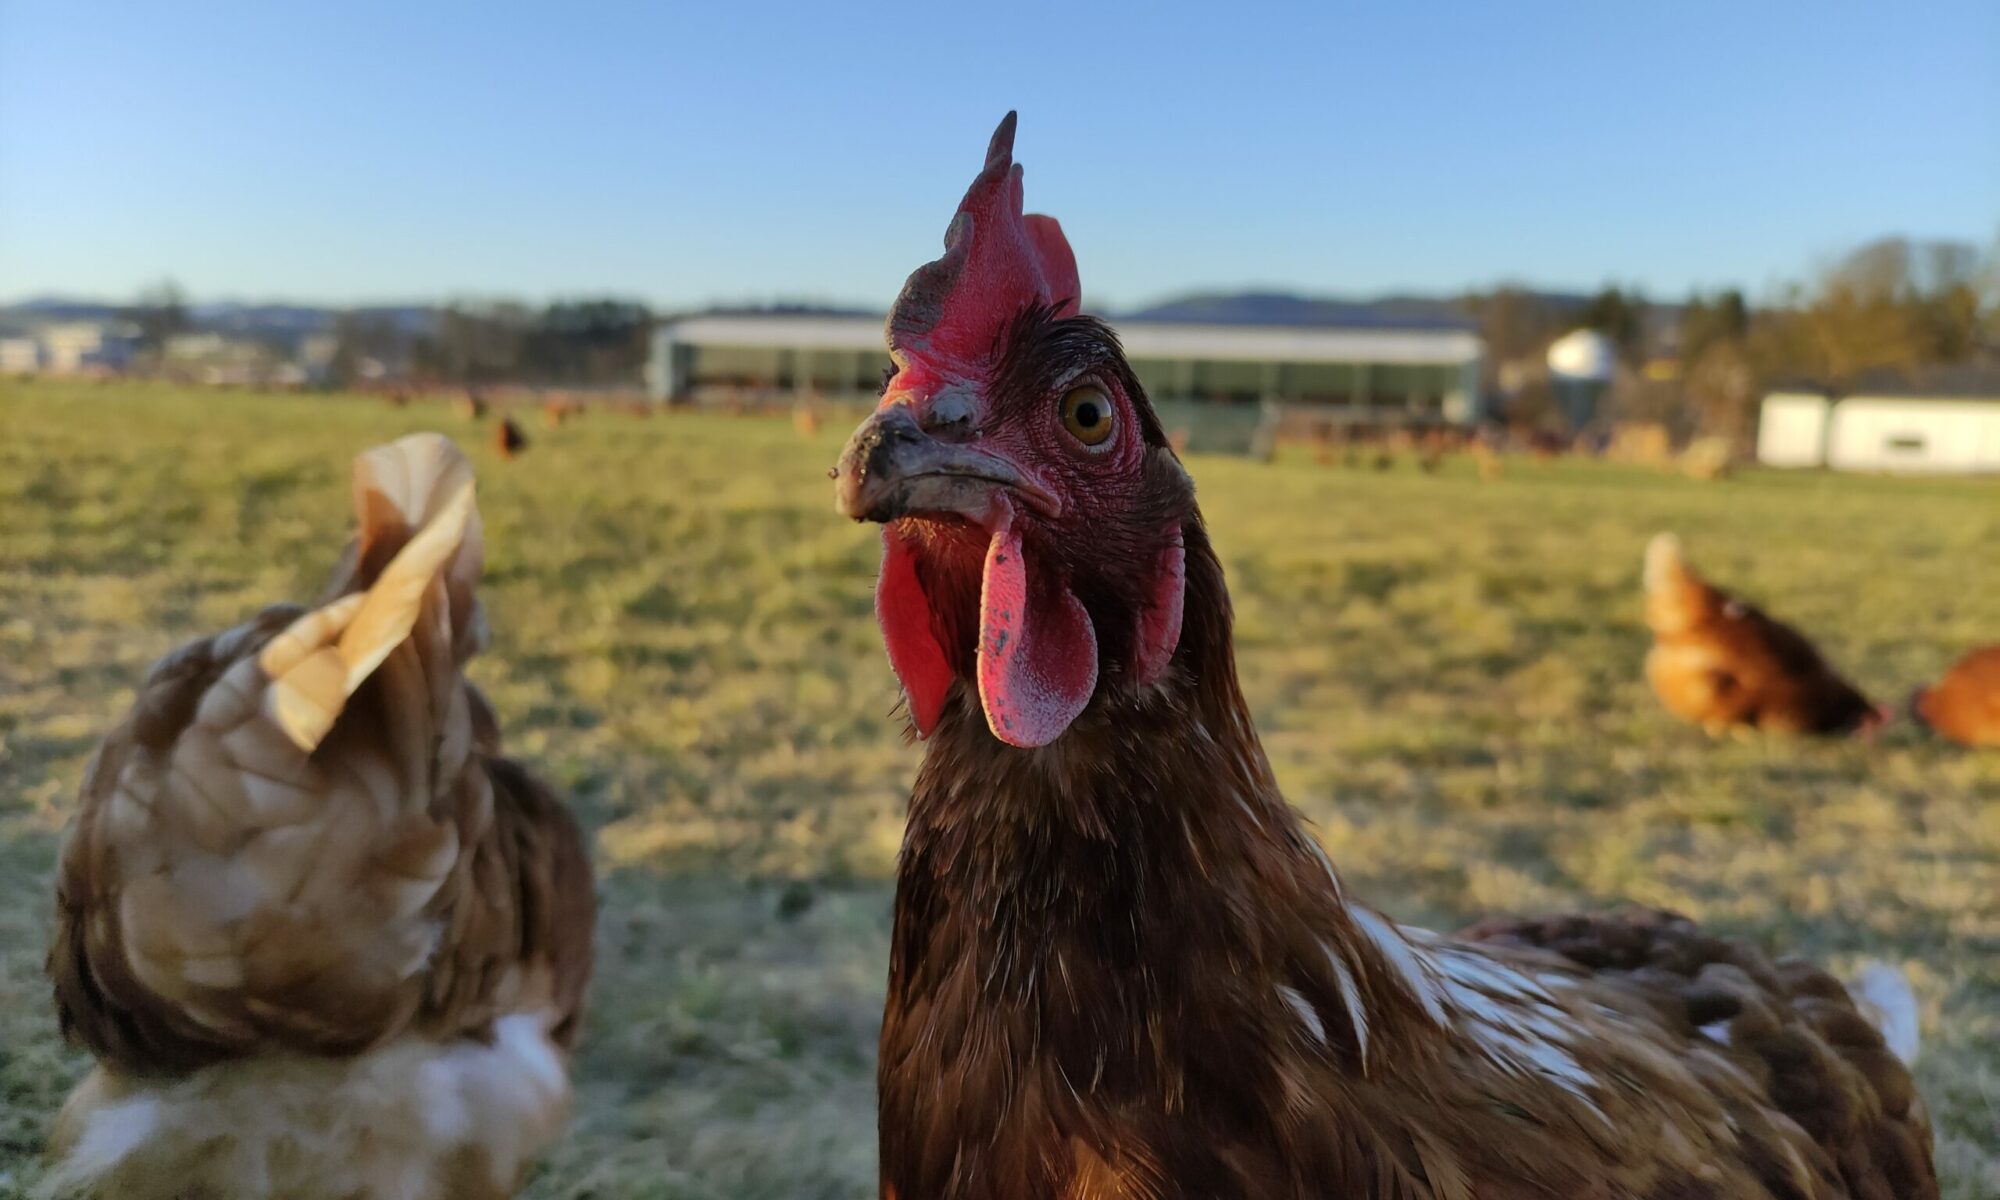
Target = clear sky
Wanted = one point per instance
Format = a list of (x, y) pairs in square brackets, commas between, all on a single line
[(691, 153)]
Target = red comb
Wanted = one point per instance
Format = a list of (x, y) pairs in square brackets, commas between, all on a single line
[(996, 263)]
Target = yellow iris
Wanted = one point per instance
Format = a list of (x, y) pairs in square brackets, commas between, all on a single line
[(1088, 415)]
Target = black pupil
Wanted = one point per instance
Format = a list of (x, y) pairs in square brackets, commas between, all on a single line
[(1086, 415)]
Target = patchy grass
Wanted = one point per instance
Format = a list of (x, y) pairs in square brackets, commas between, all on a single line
[(1446, 671)]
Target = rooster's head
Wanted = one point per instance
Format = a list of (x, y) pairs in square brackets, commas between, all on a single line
[(1032, 508)]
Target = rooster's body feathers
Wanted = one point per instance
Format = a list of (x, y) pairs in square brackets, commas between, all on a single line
[(1122, 970)]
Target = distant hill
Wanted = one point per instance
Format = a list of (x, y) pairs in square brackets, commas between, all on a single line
[(1280, 308), (282, 324), (293, 322), (787, 308), (261, 321), (60, 308)]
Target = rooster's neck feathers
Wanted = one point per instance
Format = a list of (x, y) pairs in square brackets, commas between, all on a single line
[(1089, 845)]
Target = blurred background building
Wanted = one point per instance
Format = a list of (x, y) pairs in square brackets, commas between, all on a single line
[(1215, 381), (1945, 423)]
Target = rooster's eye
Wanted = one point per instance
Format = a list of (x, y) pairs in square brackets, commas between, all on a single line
[(1088, 415)]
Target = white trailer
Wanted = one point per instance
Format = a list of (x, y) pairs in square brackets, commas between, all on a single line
[(1791, 430), (1899, 434), (1914, 435)]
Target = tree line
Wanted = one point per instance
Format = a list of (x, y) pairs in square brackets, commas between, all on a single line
[(600, 342), (1895, 308), (588, 342)]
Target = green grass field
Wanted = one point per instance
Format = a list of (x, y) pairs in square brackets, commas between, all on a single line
[(1446, 672)]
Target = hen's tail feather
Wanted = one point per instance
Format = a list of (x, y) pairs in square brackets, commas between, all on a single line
[(308, 676), (401, 489), (1884, 996), (317, 664)]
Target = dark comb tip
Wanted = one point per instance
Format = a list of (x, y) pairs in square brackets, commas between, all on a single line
[(1000, 151)]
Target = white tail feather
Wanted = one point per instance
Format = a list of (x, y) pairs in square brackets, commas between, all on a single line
[(419, 488), (1884, 996)]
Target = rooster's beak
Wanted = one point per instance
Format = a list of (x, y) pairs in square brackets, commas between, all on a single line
[(892, 468)]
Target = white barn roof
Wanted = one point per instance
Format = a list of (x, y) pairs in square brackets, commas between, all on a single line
[(1143, 339)]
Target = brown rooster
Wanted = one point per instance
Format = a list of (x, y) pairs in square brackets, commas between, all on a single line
[(1121, 968), (323, 939), (1964, 705), (1722, 663)]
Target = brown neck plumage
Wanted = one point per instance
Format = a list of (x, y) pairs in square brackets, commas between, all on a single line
[(1114, 915), (1149, 788)]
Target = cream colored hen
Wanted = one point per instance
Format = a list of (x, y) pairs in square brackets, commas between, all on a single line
[(324, 940)]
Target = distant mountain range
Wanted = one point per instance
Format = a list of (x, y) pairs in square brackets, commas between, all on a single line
[(1280, 308), (1221, 308), (293, 322), (56, 308), (289, 323)]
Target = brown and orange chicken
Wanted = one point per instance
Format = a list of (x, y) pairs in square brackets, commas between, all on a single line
[(1120, 965), (324, 939), (1964, 705), (1722, 663)]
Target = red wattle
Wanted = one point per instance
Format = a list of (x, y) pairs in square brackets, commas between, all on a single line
[(1037, 650), (904, 612)]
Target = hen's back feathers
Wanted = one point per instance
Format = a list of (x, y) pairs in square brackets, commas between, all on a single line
[(1965, 704), (1817, 1094), (1720, 662), (302, 847)]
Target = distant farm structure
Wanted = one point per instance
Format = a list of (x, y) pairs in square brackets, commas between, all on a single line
[(1218, 382), (69, 348), (1942, 426)]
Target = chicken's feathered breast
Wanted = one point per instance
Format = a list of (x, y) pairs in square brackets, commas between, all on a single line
[(302, 841), (1721, 662)]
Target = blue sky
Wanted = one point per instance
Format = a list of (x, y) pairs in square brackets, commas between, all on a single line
[(685, 153)]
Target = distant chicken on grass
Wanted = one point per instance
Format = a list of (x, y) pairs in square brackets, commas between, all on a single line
[(1722, 663), (324, 939), (1964, 705), (1488, 459), (1121, 969), (508, 438), (560, 410)]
